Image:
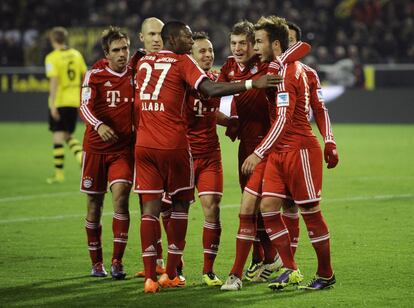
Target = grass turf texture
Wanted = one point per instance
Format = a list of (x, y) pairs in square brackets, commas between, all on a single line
[(368, 201)]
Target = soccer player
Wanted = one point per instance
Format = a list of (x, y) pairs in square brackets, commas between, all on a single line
[(205, 147), (107, 110), (290, 209), (250, 204), (246, 106), (150, 36), (163, 162), (249, 123), (294, 165), (65, 68)]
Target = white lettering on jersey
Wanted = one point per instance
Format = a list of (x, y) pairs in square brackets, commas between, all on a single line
[(282, 99), (152, 106), (113, 97), (198, 108)]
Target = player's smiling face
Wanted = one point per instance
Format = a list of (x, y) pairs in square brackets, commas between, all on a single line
[(262, 46), (118, 55), (241, 48), (184, 41), (203, 53)]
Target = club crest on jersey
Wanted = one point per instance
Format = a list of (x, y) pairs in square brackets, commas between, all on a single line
[(86, 93), (87, 182), (320, 95), (254, 69), (282, 99)]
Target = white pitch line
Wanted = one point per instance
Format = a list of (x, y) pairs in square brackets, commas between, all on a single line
[(224, 206), (40, 196)]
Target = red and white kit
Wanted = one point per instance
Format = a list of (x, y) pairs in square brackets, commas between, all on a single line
[(107, 97), (204, 142), (163, 161)]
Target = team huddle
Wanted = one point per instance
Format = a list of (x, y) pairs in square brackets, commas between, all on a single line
[(151, 126)]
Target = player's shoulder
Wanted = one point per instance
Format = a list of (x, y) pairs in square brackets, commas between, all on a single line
[(52, 56), (93, 76), (310, 72)]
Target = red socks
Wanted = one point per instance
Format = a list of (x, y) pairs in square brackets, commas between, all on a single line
[(279, 236), (319, 236), (245, 237), (176, 232), (291, 221), (120, 226), (211, 242), (148, 244), (93, 233), (269, 252)]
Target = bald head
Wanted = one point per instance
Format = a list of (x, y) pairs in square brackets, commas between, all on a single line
[(150, 34)]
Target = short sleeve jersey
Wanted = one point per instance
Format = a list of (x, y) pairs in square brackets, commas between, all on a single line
[(108, 97), (163, 82), (252, 106), (68, 66), (202, 121)]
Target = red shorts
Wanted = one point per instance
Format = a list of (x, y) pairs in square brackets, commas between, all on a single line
[(100, 171), (255, 182), (294, 175), (158, 171), (208, 173)]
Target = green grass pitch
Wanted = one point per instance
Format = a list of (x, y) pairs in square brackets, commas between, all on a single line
[(368, 201)]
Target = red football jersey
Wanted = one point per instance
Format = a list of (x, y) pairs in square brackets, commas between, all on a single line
[(107, 97), (202, 121), (320, 112), (251, 106), (163, 81), (291, 128)]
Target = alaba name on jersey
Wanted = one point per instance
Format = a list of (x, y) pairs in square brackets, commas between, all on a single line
[(163, 82), (202, 121), (108, 97), (251, 106), (291, 128)]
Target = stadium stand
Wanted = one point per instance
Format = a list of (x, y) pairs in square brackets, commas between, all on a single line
[(364, 31)]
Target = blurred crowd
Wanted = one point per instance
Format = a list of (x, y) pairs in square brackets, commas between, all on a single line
[(361, 31)]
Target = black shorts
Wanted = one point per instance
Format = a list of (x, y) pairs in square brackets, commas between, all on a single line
[(67, 122)]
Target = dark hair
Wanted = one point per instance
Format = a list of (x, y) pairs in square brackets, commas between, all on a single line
[(59, 35), (296, 28), (172, 28), (201, 35), (112, 34), (244, 27), (276, 29)]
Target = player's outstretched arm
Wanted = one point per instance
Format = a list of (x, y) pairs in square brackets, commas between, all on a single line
[(211, 88)]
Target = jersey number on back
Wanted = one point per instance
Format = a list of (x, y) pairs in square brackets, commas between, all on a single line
[(148, 68), (71, 71)]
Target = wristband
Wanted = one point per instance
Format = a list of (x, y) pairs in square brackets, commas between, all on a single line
[(248, 84)]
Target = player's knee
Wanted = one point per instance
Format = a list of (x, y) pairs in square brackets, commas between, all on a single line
[(270, 204), (289, 206), (94, 205), (310, 207)]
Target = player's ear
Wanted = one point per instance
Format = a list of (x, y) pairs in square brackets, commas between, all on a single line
[(141, 37)]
